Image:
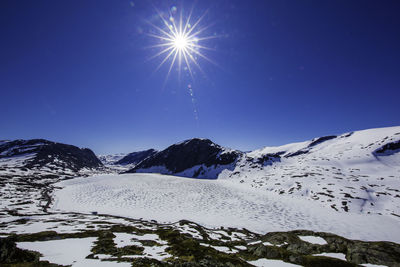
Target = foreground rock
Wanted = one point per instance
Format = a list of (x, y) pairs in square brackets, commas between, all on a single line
[(10, 255), (189, 244)]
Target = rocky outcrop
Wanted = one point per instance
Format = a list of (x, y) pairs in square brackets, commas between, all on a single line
[(321, 140), (136, 157), (199, 153), (389, 148), (289, 247), (10, 255), (191, 244)]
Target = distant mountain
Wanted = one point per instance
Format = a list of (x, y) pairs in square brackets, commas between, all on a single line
[(199, 158), (136, 157), (111, 159), (45, 156)]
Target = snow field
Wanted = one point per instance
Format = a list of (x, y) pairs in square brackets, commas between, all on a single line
[(313, 239), (71, 251), (343, 173), (214, 203), (271, 263)]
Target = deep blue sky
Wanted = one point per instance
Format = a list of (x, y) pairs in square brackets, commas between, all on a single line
[(78, 72)]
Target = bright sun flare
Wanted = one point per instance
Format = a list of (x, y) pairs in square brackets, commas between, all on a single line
[(179, 41)]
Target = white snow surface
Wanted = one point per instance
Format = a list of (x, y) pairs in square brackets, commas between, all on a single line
[(313, 239), (214, 203), (372, 265), (340, 256), (343, 173), (71, 251), (271, 263)]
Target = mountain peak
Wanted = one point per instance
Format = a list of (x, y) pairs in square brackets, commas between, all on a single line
[(37, 153), (193, 158)]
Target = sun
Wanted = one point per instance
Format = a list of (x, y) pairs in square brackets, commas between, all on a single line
[(179, 40)]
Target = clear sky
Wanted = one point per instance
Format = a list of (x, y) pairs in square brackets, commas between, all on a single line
[(80, 72)]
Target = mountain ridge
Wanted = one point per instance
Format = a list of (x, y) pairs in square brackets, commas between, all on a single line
[(196, 157), (42, 154)]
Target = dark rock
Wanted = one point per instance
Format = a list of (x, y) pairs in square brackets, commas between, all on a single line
[(388, 149), (321, 140), (297, 153), (347, 135), (270, 158), (190, 153), (136, 157), (380, 253), (9, 253)]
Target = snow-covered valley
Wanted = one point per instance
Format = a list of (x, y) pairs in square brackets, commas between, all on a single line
[(254, 211), (214, 203)]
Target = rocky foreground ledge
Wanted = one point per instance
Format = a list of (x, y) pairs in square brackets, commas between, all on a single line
[(142, 243)]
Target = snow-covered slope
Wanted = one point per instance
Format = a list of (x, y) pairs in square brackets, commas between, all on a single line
[(355, 172), (38, 157), (28, 168)]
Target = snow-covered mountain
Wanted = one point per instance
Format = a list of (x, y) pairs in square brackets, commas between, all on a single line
[(357, 171), (353, 172), (199, 158), (40, 157), (111, 159)]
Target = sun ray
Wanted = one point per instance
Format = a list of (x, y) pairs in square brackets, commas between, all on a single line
[(160, 30), (165, 59), (188, 65), (188, 19), (197, 64), (159, 45), (162, 38), (161, 52), (209, 37), (170, 67), (201, 55), (196, 23), (204, 47), (193, 35), (179, 40)]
